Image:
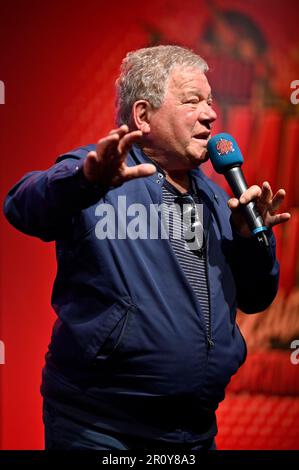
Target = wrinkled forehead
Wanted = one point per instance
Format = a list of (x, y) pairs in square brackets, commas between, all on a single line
[(188, 78)]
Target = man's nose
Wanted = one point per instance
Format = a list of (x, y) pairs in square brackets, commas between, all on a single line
[(208, 114)]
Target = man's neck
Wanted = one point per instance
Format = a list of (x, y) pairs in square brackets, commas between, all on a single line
[(180, 180)]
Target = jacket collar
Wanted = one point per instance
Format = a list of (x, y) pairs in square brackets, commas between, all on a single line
[(138, 156), (205, 189)]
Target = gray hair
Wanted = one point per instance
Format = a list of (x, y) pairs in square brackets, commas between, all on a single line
[(144, 74)]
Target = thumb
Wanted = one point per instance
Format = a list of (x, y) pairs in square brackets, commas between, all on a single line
[(139, 171), (233, 203)]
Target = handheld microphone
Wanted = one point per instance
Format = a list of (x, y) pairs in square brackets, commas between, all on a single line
[(227, 159)]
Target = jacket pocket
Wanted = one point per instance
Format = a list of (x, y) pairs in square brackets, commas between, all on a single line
[(77, 344), (112, 328), (115, 338)]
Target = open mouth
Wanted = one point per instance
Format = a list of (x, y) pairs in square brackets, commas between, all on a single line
[(203, 136)]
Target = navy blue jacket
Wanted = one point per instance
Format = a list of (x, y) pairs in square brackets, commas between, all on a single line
[(130, 343)]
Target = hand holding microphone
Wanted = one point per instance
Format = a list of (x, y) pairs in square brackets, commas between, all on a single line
[(253, 209)]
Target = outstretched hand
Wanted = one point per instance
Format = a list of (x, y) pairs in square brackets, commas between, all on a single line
[(107, 164), (266, 203)]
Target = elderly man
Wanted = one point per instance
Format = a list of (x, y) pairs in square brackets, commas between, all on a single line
[(146, 340)]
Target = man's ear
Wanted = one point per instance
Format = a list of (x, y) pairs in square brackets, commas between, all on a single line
[(141, 112)]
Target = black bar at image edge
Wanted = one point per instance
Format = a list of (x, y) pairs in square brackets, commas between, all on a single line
[(137, 460)]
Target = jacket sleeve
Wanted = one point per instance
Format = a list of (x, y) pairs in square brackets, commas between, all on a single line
[(43, 203), (256, 272)]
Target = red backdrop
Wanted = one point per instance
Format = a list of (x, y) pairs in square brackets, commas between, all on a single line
[(58, 61)]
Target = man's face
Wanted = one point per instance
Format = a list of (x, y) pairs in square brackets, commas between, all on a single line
[(181, 127)]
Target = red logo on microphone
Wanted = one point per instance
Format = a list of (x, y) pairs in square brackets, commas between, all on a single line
[(224, 146)]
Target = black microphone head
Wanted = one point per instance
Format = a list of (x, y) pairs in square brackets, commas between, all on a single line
[(224, 152)]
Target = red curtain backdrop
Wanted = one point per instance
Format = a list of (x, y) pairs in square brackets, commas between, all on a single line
[(58, 62)]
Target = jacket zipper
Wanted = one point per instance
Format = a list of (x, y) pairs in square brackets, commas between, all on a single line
[(203, 252), (208, 327)]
